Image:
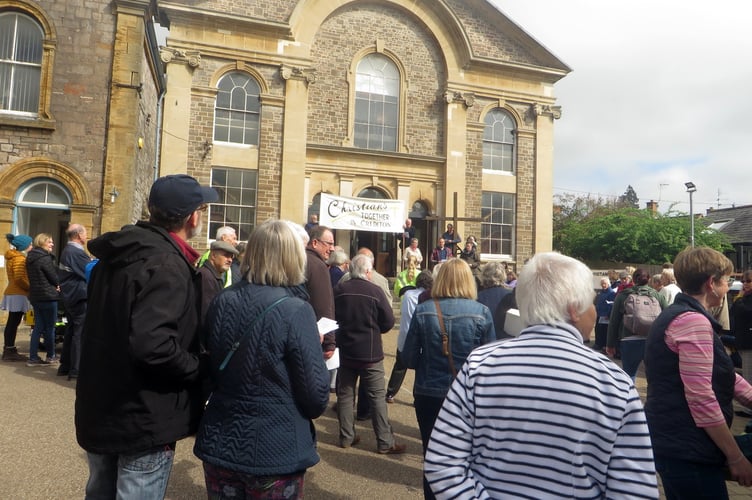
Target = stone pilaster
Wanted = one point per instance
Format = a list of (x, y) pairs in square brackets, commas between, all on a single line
[(293, 200), (177, 108)]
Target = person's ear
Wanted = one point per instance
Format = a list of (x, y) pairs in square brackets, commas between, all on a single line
[(574, 316), (195, 218)]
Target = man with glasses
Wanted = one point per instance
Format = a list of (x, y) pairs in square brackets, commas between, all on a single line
[(318, 282)]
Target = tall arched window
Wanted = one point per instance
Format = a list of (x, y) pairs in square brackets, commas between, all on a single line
[(499, 141), (20, 63), (377, 89), (238, 109)]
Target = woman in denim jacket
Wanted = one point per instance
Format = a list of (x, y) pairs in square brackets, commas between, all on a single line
[(468, 324)]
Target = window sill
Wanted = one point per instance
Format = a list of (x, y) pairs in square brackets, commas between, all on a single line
[(498, 172), (27, 122)]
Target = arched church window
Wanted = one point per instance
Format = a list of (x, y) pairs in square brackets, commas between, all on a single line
[(21, 53), (238, 109), (377, 90), (499, 141)]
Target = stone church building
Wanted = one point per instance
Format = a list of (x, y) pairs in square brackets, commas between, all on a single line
[(446, 105)]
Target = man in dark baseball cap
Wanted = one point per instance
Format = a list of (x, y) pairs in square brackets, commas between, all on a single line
[(179, 195), (139, 390)]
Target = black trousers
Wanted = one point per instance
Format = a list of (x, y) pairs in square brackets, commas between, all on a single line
[(71, 354)]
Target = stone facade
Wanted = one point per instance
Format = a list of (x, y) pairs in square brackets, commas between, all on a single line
[(114, 113), (95, 135), (457, 60)]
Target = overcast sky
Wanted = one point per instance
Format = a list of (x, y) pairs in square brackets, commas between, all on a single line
[(660, 94)]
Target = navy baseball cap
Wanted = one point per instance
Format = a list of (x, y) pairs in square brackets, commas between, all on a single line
[(180, 195)]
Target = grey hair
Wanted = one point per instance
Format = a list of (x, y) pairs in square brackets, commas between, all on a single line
[(360, 265), (337, 258), (224, 230), (492, 274), (549, 284), (299, 230)]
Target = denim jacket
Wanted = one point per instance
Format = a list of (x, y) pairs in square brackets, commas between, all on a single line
[(468, 324)]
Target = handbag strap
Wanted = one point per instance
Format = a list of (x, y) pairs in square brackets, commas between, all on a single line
[(446, 347), (237, 343)]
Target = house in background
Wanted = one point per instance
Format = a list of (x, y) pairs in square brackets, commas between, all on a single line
[(736, 223)]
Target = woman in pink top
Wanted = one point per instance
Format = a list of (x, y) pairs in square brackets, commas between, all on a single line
[(692, 385)]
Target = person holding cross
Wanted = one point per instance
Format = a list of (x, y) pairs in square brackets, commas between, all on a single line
[(451, 238)]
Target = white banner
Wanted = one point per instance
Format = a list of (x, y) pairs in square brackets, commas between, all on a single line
[(362, 214)]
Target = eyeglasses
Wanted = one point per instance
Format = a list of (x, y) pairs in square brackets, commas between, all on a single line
[(202, 208), (330, 243)]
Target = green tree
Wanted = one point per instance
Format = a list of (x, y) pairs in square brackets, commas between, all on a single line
[(634, 235), (629, 199)]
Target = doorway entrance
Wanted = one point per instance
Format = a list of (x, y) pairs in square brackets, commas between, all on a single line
[(383, 245), (43, 206)]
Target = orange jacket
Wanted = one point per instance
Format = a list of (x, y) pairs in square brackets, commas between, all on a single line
[(15, 266)]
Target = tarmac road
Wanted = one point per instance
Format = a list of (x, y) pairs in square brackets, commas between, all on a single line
[(41, 459)]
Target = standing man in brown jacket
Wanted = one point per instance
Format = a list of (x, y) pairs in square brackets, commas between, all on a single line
[(318, 282)]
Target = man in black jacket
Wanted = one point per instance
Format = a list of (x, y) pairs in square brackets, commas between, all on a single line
[(363, 314), (138, 389), (72, 273)]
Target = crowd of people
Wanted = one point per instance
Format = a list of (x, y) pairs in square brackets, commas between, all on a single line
[(244, 345)]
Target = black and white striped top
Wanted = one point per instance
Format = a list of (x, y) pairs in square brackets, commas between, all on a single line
[(541, 416)]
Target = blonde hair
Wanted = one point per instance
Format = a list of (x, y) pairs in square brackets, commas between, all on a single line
[(275, 255), (412, 266), (667, 276), (41, 239), (455, 279)]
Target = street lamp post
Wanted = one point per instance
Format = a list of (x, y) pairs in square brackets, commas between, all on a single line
[(691, 188)]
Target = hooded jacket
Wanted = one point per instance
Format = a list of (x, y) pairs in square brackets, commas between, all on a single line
[(42, 272), (15, 266), (138, 379)]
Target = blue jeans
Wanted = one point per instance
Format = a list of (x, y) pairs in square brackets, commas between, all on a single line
[(45, 316), (136, 476), (632, 354), (682, 479)]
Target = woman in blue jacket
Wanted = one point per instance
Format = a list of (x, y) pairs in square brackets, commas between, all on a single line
[(257, 437), (466, 323), (604, 301)]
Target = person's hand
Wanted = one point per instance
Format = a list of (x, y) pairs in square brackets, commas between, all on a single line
[(741, 471), (328, 354), (611, 351)]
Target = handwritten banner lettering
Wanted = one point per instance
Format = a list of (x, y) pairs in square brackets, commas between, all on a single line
[(362, 214)]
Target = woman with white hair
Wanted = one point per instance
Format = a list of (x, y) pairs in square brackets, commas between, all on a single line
[(256, 438), (543, 415)]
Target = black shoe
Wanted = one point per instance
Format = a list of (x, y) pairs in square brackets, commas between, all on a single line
[(62, 372), (367, 416)]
